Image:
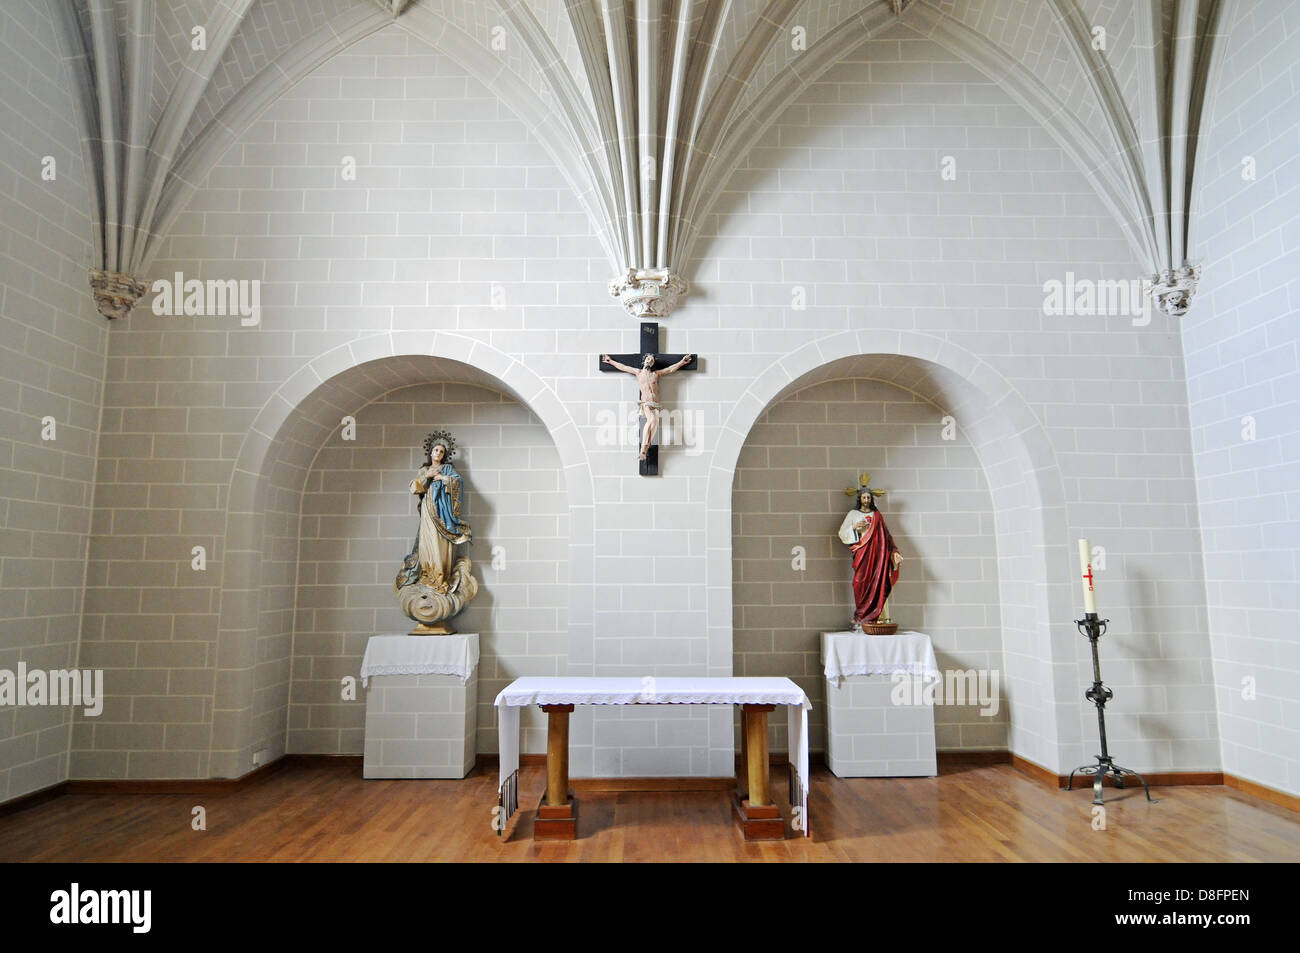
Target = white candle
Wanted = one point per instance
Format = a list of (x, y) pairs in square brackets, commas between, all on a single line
[(1085, 568)]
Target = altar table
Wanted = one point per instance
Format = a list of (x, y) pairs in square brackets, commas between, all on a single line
[(557, 813)]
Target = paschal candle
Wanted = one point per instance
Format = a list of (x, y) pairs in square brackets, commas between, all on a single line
[(1085, 568)]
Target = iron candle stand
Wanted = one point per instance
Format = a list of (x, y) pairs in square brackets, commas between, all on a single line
[(1099, 694)]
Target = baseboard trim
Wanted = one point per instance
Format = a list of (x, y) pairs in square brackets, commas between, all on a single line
[(324, 760), (671, 785), (662, 785), (492, 760), (1033, 769), (946, 759), (1153, 778), (949, 759), (32, 799), (176, 786), (1263, 792)]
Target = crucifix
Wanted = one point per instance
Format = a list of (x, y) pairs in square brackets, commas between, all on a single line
[(647, 367)]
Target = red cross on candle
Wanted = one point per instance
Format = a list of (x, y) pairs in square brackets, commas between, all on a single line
[(1085, 570)]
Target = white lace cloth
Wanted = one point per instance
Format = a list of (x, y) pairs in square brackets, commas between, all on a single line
[(853, 653), (540, 690), (420, 655)]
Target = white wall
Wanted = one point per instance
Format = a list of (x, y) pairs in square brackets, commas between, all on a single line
[(1243, 371), (52, 345), (842, 199)]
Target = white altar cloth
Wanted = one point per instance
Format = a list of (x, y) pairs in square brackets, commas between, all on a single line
[(562, 690), (853, 653), (420, 655)]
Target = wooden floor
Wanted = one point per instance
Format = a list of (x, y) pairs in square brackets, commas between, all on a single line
[(968, 813)]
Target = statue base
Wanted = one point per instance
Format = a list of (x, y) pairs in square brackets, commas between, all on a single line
[(420, 601), (879, 628)]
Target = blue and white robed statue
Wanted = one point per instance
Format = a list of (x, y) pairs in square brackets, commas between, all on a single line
[(433, 584)]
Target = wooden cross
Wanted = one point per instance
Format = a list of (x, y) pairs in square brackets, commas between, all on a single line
[(649, 346)]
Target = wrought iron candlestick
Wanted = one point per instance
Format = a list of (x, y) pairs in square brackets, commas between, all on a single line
[(1099, 694)]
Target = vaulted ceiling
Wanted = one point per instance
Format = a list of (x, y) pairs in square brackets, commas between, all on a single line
[(646, 105)]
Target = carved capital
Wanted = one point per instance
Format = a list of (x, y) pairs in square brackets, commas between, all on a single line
[(115, 293), (1173, 289), (648, 292)]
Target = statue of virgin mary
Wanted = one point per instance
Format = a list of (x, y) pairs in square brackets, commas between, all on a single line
[(433, 584)]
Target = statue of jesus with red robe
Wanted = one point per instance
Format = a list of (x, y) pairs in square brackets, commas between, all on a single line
[(875, 558)]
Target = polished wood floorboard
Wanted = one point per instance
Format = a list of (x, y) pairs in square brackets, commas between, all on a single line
[(968, 813)]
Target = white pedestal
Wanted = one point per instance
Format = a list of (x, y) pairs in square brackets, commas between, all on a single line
[(421, 725), (868, 736)]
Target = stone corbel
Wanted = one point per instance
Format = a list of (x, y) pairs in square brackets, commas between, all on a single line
[(1173, 289), (648, 293), (115, 293)]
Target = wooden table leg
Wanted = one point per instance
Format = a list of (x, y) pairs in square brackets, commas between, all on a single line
[(557, 813), (756, 754), (742, 767), (759, 818)]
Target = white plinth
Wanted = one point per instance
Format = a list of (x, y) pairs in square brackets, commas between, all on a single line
[(421, 725), (868, 736)]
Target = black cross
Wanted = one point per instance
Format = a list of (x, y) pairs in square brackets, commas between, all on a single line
[(649, 345)]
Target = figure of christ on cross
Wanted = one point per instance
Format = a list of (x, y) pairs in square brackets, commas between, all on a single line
[(642, 366), (647, 379)]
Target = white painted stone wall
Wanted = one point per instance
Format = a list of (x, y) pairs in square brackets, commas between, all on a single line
[(845, 201), (838, 238), (52, 346), (1243, 372)]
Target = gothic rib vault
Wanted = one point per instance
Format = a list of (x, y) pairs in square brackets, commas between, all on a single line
[(646, 105)]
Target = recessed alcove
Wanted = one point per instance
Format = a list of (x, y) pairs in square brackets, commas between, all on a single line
[(332, 519), (1020, 479), (358, 521), (791, 572)]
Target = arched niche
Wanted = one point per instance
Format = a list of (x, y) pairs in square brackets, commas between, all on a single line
[(1024, 481), (792, 573), (260, 588), (357, 521)]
